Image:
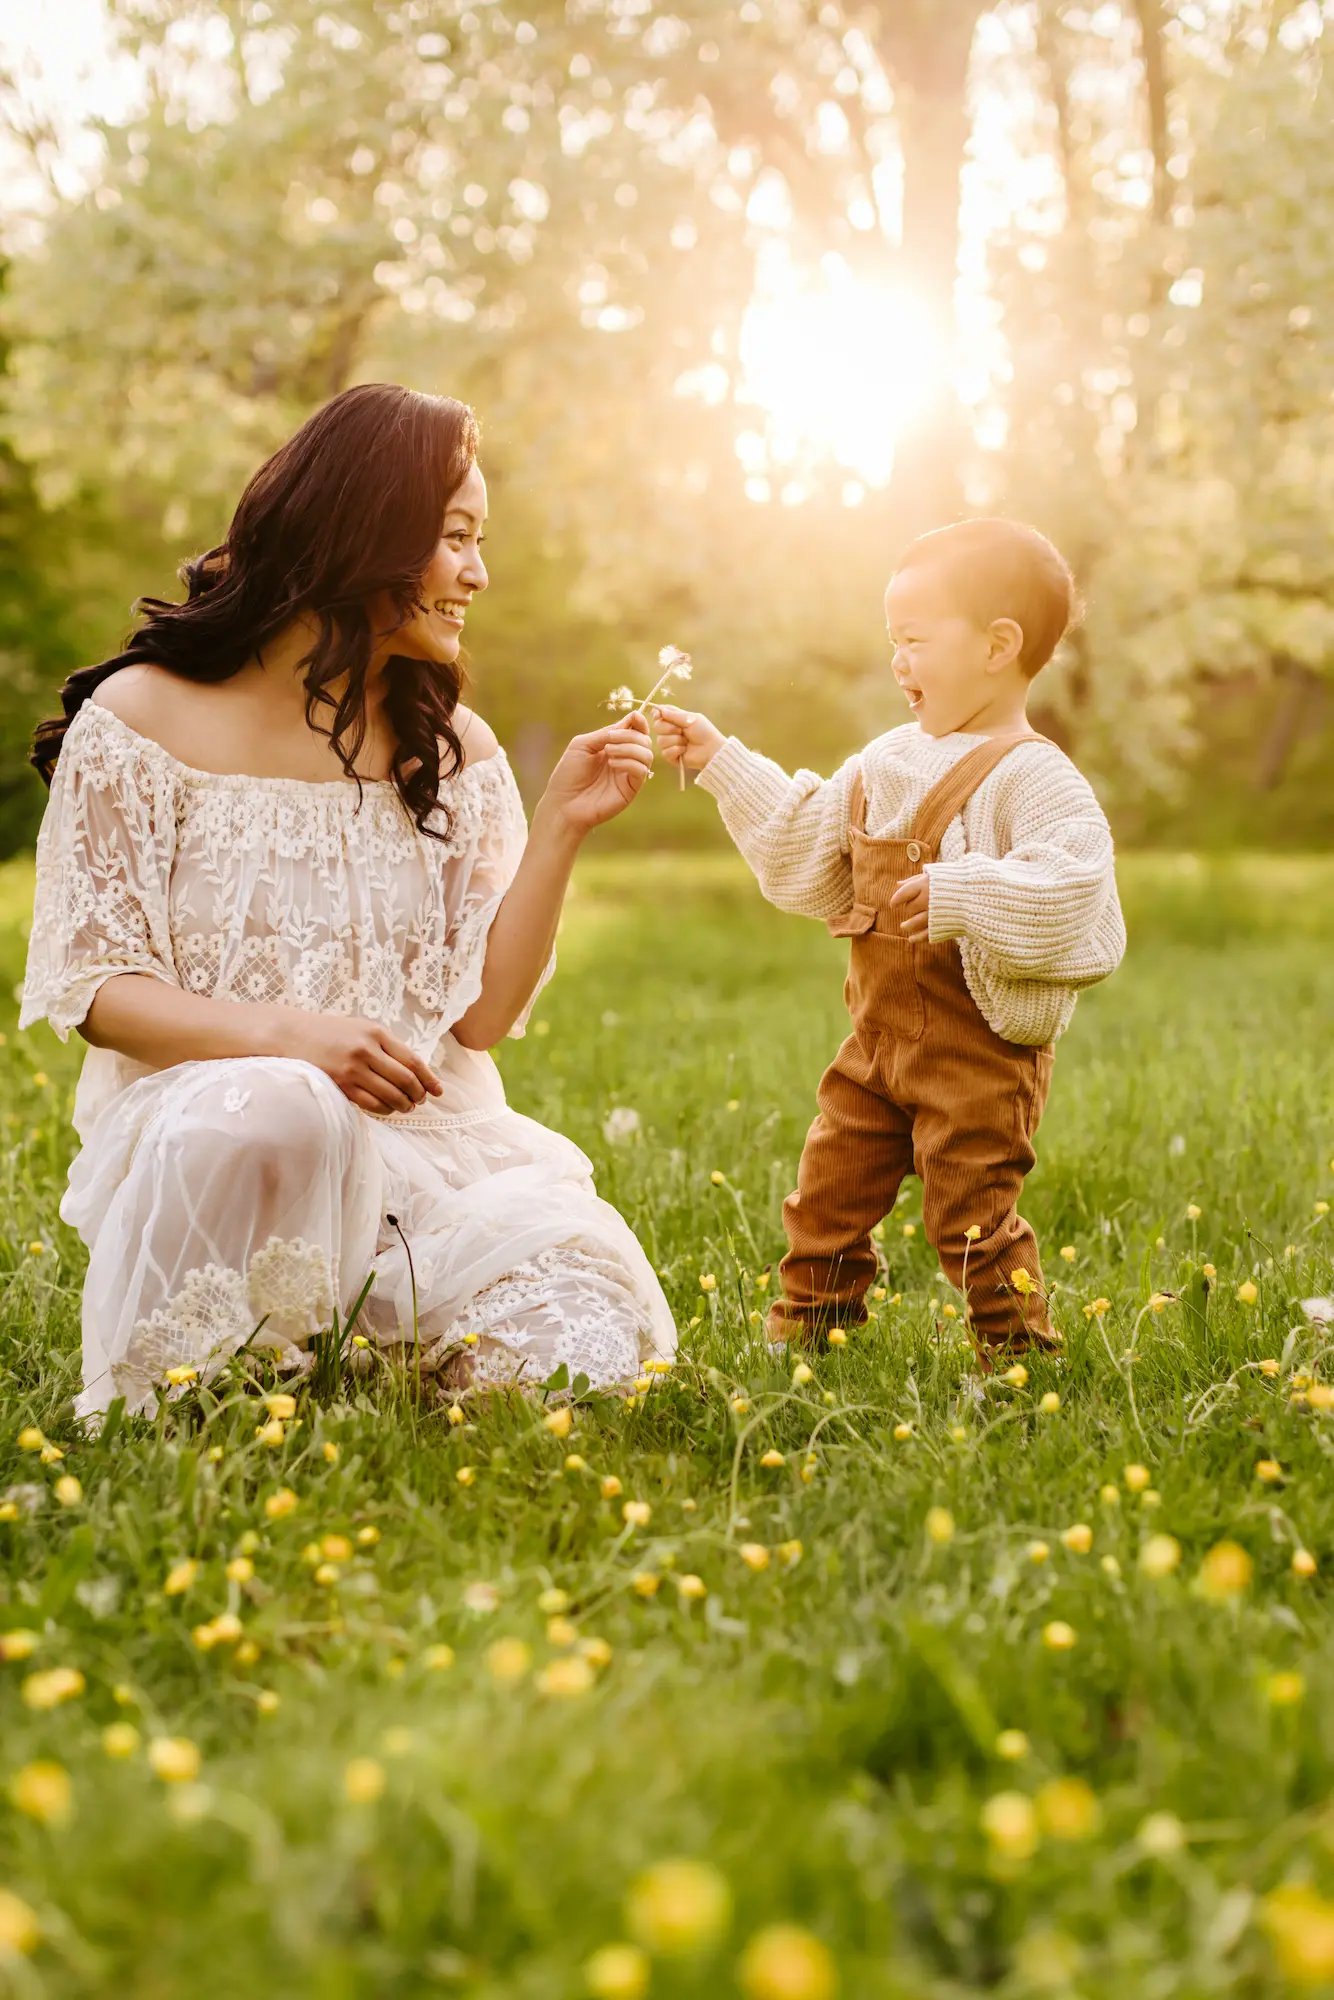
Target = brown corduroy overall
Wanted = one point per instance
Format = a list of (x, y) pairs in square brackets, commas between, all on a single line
[(922, 1085)]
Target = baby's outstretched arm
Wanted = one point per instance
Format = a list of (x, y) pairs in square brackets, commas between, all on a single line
[(791, 829)]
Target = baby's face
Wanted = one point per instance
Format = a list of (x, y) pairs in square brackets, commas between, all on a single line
[(941, 659)]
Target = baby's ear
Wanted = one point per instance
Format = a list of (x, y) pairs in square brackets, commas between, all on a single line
[(1005, 642)]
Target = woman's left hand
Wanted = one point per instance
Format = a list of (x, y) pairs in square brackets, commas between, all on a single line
[(601, 774)]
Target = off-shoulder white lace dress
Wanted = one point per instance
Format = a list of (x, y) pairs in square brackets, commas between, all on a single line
[(214, 1195)]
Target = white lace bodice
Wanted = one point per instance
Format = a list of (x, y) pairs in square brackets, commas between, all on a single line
[(263, 889)]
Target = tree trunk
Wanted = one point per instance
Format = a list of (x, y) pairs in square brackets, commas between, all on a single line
[(1298, 708), (925, 49)]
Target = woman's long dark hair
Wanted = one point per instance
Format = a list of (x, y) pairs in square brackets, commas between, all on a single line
[(350, 507)]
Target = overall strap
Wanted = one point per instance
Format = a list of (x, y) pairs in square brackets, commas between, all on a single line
[(950, 794), (857, 802)]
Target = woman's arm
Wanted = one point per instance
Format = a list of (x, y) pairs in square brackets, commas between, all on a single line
[(152, 1022), (598, 777)]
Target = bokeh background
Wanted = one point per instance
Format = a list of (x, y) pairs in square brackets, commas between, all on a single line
[(744, 294)]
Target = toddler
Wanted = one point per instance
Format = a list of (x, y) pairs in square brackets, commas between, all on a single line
[(970, 865)]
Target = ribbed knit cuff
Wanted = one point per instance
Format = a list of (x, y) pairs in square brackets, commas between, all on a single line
[(947, 915), (747, 786)]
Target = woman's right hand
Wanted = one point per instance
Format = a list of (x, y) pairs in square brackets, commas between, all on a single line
[(372, 1067)]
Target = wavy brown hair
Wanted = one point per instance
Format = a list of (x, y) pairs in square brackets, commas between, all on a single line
[(351, 507)]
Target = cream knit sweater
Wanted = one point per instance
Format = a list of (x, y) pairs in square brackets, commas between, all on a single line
[(1025, 880)]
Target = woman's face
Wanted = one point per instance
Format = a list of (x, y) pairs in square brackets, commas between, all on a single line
[(452, 578)]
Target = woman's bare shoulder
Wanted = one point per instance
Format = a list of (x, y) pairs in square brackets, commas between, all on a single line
[(139, 695), (478, 738)]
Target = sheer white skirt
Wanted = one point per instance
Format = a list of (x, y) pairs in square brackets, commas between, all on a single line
[(214, 1195)]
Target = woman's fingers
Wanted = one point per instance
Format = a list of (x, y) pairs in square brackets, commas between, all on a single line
[(410, 1060)]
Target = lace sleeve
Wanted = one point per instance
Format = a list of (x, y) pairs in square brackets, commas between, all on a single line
[(494, 857), (104, 855)]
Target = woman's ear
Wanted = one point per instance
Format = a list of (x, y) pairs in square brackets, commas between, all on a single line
[(1005, 642)]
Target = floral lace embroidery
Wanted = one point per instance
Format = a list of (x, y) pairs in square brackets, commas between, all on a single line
[(289, 1284), (306, 895)]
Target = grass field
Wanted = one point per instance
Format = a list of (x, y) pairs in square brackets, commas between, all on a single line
[(960, 1691)]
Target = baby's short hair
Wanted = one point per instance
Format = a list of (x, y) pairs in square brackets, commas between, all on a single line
[(1004, 569)]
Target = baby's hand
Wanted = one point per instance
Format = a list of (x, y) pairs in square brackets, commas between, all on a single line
[(685, 738), (912, 899)]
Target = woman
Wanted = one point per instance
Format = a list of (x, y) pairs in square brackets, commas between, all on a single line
[(286, 893)]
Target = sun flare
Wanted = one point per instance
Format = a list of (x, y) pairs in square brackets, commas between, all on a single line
[(835, 369)]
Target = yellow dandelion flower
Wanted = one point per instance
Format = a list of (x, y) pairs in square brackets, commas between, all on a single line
[(562, 1679), (789, 1553), (1193, 1211), (552, 1602), (272, 1433), (179, 1377), (707, 1282), (174, 1759), (1284, 1690), (466, 1475), (1269, 1367), (902, 1432), (559, 1422), (1050, 1403), (1010, 1823), (368, 1536), (42, 1791), (280, 1504), (972, 1233), (52, 1687), (268, 1701), (718, 1178), (636, 1513), (573, 1463), (754, 1555), (1322, 1208), (939, 1525), (645, 1583), (1068, 1253), (678, 1906), (1068, 1809), (1037, 1552), (1059, 1637), (1320, 1396), (20, 1932), (610, 1487), (1160, 1555), (1303, 1563), (19, 1644), (1012, 1745), (1247, 1293), (438, 1658), (1109, 1565), (336, 1548), (326, 1575), (508, 1660), (837, 1337), (1097, 1308), (120, 1739), (596, 1650), (1078, 1538), (51, 1454), (959, 1433), (691, 1588), (330, 1451), (739, 1406), (617, 1972), (1299, 1922), (1225, 1572), (364, 1781), (280, 1405), (246, 1653), (773, 1458), (1150, 1498), (561, 1632), (1268, 1471), (785, 1962), (1110, 1496), (239, 1570), (1017, 1376), (1136, 1478)]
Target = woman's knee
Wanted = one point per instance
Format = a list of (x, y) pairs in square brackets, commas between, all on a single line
[(273, 1118)]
